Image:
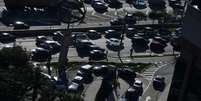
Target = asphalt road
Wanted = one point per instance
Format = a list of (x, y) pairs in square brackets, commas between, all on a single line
[(150, 93), (92, 17), (29, 44)]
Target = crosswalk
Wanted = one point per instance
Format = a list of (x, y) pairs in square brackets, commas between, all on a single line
[(149, 73)]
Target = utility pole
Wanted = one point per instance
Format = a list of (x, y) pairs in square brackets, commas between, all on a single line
[(63, 55)]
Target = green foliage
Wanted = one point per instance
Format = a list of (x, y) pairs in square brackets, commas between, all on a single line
[(15, 56), (20, 81)]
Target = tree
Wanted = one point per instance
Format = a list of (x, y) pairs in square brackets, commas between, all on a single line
[(20, 81)]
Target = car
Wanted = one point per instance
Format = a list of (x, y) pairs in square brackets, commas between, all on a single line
[(112, 34), (87, 76), (100, 70), (127, 74), (131, 32), (157, 47), (53, 46), (40, 39), (20, 25), (74, 87), (159, 83), (58, 36), (177, 6), (86, 68), (78, 79), (84, 50), (138, 86), (7, 38), (164, 31), (132, 94), (40, 55), (77, 37), (160, 40), (83, 43), (97, 55), (157, 4), (114, 4), (130, 2), (99, 6), (178, 31), (140, 4), (117, 22), (84, 47), (140, 44), (142, 34), (196, 2), (94, 35), (87, 1), (130, 19), (114, 44), (172, 2), (95, 47)]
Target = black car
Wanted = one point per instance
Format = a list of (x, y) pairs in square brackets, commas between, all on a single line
[(161, 40), (75, 87), (58, 36), (95, 47), (87, 76), (130, 19), (97, 55), (53, 46), (99, 6), (178, 31), (20, 25), (140, 44), (94, 35), (130, 2), (114, 4), (87, 1), (83, 43), (40, 39), (157, 4), (130, 32), (86, 68), (127, 74), (7, 38), (78, 79), (164, 31), (84, 47), (117, 22), (159, 83), (40, 54), (157, 47), (112, 34), (100, 70), (132, 94), (138, 86)]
